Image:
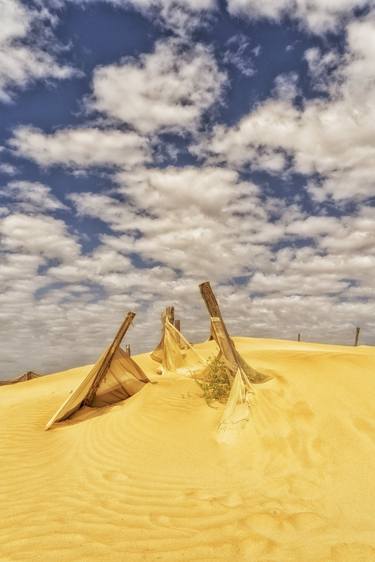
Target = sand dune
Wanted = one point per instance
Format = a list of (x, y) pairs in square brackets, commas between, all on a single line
[(146, 480)]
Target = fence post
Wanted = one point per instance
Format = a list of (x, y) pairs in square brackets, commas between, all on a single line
[(357, 331)]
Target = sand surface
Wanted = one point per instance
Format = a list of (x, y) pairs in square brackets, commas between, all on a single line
[(146, 480)]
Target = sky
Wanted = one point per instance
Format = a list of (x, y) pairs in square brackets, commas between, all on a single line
[(149, 145)]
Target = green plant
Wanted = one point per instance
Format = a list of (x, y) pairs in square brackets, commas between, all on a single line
[(216, 383)]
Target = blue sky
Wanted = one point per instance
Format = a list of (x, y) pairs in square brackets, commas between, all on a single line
[(148, 145)]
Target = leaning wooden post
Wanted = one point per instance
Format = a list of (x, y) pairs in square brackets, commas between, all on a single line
[(109, 356), (357, 331), (219, 329), (127, 349)]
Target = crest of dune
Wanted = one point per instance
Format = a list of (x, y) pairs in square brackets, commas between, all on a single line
[(151, 473)]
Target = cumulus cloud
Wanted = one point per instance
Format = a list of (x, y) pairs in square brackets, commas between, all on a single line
[(177, 215), (23, 58), (168, 89), (8, 169), (31, 197), (179, 16), (332, 137), (81, 147), (319, 16), (38, 235)]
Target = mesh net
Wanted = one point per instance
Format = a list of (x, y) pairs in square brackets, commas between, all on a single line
[(237, 410)]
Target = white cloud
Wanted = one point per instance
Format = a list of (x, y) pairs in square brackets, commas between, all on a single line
[(81, 147), (318, 16), (175, 215), (333, 137), (179, 16), (22, 58), (241, 54), (168, 89), (31, 197), (38, 235), (8, 169)]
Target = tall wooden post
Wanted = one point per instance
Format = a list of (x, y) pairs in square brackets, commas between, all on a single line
[(219, 329), (357, 331), (109, 356)]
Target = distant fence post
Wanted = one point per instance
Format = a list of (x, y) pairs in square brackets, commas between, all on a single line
[(357, 331), (127, 349), (299, 337)]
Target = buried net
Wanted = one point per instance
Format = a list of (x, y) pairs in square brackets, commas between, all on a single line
[(175, 353), (237, 410)]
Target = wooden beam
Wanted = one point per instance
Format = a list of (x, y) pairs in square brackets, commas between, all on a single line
[(357, 332), (109, 356), (219, 329)]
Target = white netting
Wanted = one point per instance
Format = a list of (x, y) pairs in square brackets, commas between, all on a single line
[(237, 410), (175, 353)]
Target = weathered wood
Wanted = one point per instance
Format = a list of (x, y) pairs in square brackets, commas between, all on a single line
[(219, 330), (127, 349), (109, 356), (357, 332)]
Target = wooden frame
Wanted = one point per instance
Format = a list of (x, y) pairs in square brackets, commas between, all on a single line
[(108, 357)]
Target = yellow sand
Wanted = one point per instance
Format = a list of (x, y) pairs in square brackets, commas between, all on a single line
[(145, 480)]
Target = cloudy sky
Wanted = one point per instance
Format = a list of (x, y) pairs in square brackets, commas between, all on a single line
[(149, 145)]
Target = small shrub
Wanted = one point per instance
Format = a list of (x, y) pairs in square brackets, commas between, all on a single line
[(216, 383)]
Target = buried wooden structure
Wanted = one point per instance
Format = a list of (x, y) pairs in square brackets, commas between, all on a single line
[(220, 334), (241, 376), (23, 378), (174, 352), (113, 378)]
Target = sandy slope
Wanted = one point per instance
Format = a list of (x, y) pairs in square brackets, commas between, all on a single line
[(145, 480)]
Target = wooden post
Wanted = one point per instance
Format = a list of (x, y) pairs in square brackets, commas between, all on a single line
[(219, 329), (127, 349), (108, 357), (299, 337), (357, 331)]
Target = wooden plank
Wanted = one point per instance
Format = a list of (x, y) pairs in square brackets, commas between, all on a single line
[(108, 357), (219, 329)]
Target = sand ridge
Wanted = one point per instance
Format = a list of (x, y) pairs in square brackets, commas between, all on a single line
[(146, 480)]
